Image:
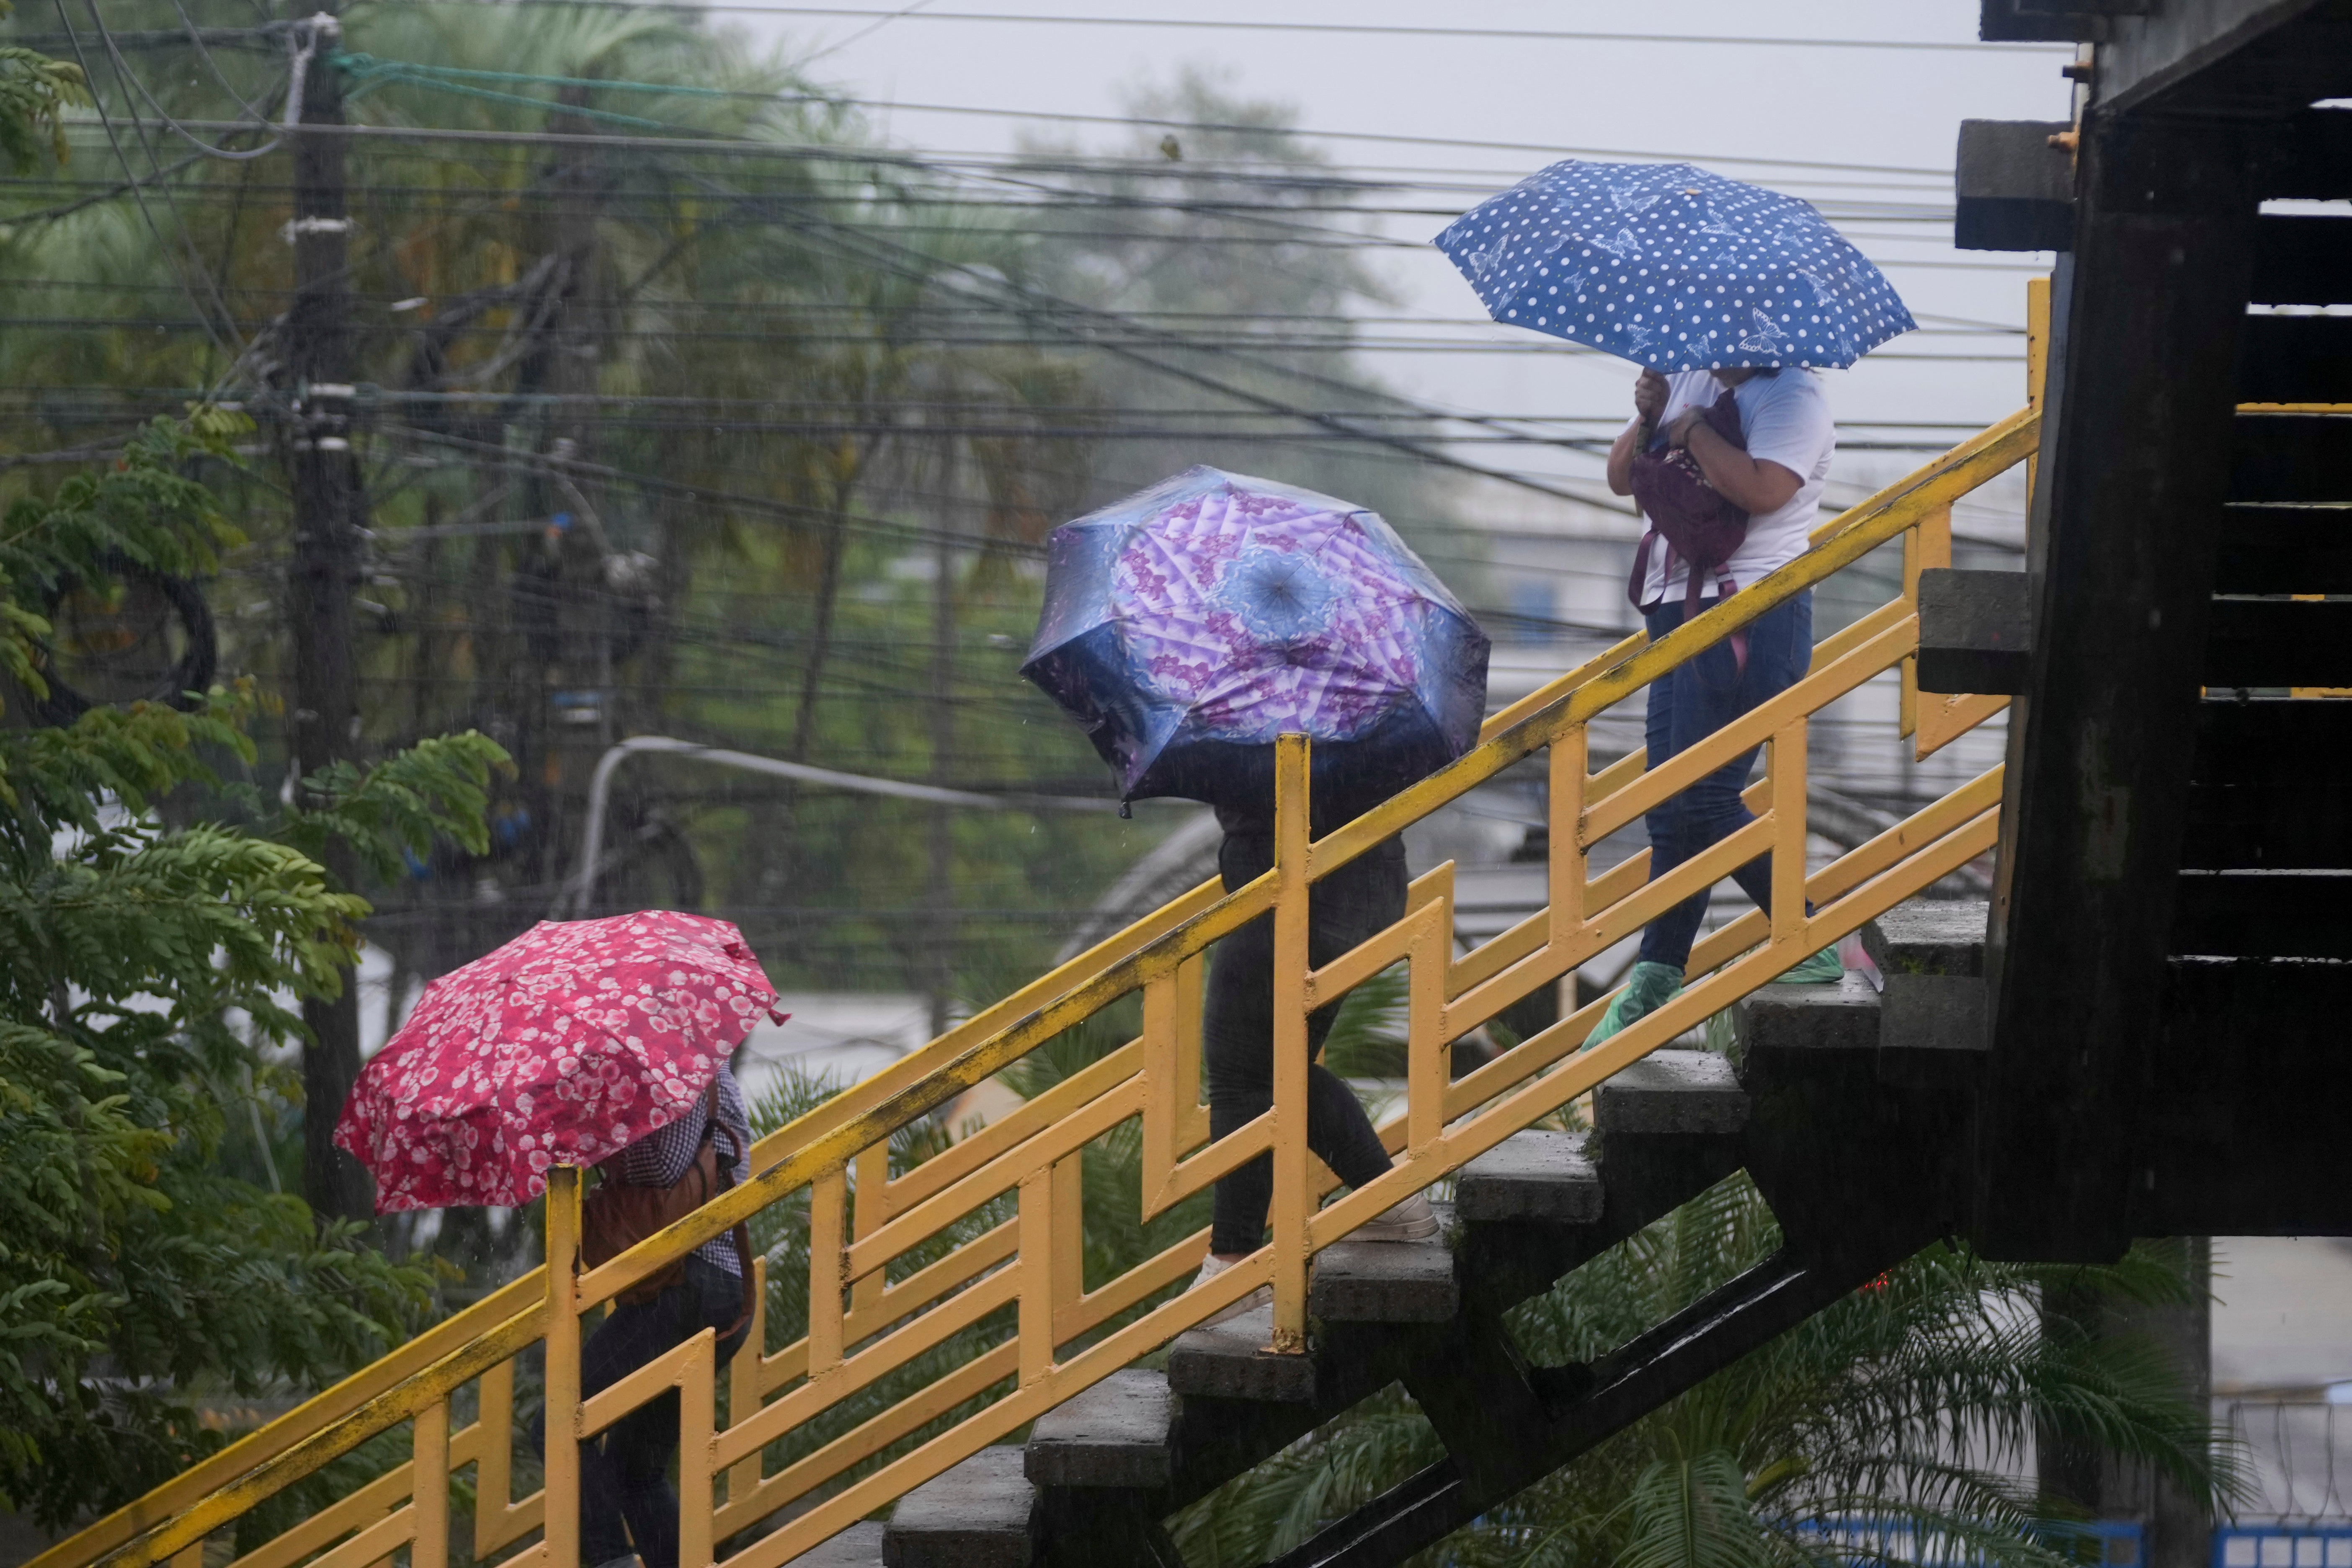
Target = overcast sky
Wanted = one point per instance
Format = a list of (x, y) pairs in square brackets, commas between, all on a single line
[(1890, 109)]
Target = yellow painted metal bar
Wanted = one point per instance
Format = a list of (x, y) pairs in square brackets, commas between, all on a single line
[(874, 1207), (878, 1360), (1174, 936), (1564, 868), (1082, 1125), (698, 1390), (743, 1390), (362, 1507), (952, 1164), (1035, 1273), (870, 1437), (1788, 775), (562, 1461), (1291, 962), (429, 1460), (828, 1270), (306, 1420), (372, 1545), (1428, 1058), (1099, 1307), (498, 1518)]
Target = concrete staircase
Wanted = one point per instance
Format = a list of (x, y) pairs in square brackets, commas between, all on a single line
[(1891, 1076)]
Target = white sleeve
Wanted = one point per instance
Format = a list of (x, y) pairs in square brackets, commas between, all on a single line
[(1793, 428)]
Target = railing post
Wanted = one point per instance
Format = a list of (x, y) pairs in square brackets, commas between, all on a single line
[(428, 1487), (494, 1470), (743, 1388), (1566, 763), (1037, 1267), (1294, 1197), (698, 1387), (561, 1520), (1789, 834), (828, 1225)]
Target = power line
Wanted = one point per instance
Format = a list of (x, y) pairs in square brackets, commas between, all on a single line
[(1369, 30)]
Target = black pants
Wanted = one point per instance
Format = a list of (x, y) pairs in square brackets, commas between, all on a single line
[(625, 1470), (1358, 900)]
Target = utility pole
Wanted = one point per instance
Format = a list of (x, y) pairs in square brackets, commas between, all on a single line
[(329, 513), (939, 969)]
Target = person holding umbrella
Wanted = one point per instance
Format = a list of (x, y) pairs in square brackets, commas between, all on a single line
[(1189, 625), (1726, 295), (589, 1043)]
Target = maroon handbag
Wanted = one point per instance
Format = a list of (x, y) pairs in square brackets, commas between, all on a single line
[(1694, 519)]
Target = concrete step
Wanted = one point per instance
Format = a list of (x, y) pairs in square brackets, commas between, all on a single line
[(1542, 1176), (1844, 1016), (1930, 953), (1928, 936), (981, 1514), (859, 1546), (1387, 1281), (1230, 1361), (1672, 1093), (1115, 1433)]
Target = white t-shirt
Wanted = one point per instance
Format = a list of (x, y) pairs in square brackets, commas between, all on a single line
[(1785, 417)]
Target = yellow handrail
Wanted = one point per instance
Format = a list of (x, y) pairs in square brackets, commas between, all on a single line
[(864, 1326)]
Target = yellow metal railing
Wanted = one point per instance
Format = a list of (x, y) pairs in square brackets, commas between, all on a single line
[(865, 1325)]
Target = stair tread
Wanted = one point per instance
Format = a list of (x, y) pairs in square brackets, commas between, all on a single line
[(1533, 1175), (1928, 936), (974, 1515), (1387, 1281), (1672, 1093), (1230, 1361), (1844, 1016), (859, 1546), (1115, 1434)]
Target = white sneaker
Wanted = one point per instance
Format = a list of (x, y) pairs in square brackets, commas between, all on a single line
[(1213, 1266), (1412, 1220)]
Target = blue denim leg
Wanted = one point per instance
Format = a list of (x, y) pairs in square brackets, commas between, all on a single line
[(1688, 704)]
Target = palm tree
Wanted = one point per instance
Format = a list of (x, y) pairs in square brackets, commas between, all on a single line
[(1895, 1426)]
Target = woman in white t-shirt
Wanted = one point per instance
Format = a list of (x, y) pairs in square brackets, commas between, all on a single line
[(1776, 480)]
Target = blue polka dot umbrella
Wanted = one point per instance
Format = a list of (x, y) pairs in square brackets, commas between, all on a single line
[(1673, 267), (1189, 625)]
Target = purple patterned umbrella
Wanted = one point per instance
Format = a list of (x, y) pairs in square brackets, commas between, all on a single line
[(1187, 626)]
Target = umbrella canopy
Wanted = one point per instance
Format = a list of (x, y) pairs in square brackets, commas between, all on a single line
[(1189, 625), (1673, 267), (563, 1046)]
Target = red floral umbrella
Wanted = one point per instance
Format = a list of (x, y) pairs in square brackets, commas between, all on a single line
[(563, 1046)]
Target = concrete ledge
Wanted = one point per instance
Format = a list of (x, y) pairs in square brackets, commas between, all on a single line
[(1934, 1013), (1385, 1282), (1844, 1017), (1976, 631), (977, 1515), (1230, 1361), (1928, 936), (859, 1546), (1115, 1434), (1545, 1176), (1671, 1093)]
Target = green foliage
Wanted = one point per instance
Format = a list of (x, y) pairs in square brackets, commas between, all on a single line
[(1912, 1402), (144, 966), (143, 509), (34, 93)]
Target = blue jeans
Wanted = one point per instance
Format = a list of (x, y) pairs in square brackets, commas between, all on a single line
[(1689, 704), (625, 1469)]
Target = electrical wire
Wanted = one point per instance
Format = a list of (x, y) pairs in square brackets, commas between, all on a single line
[(1365, 29)]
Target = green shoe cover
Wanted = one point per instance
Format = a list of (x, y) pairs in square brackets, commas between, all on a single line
[(1649, 987), (1821, 969)]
